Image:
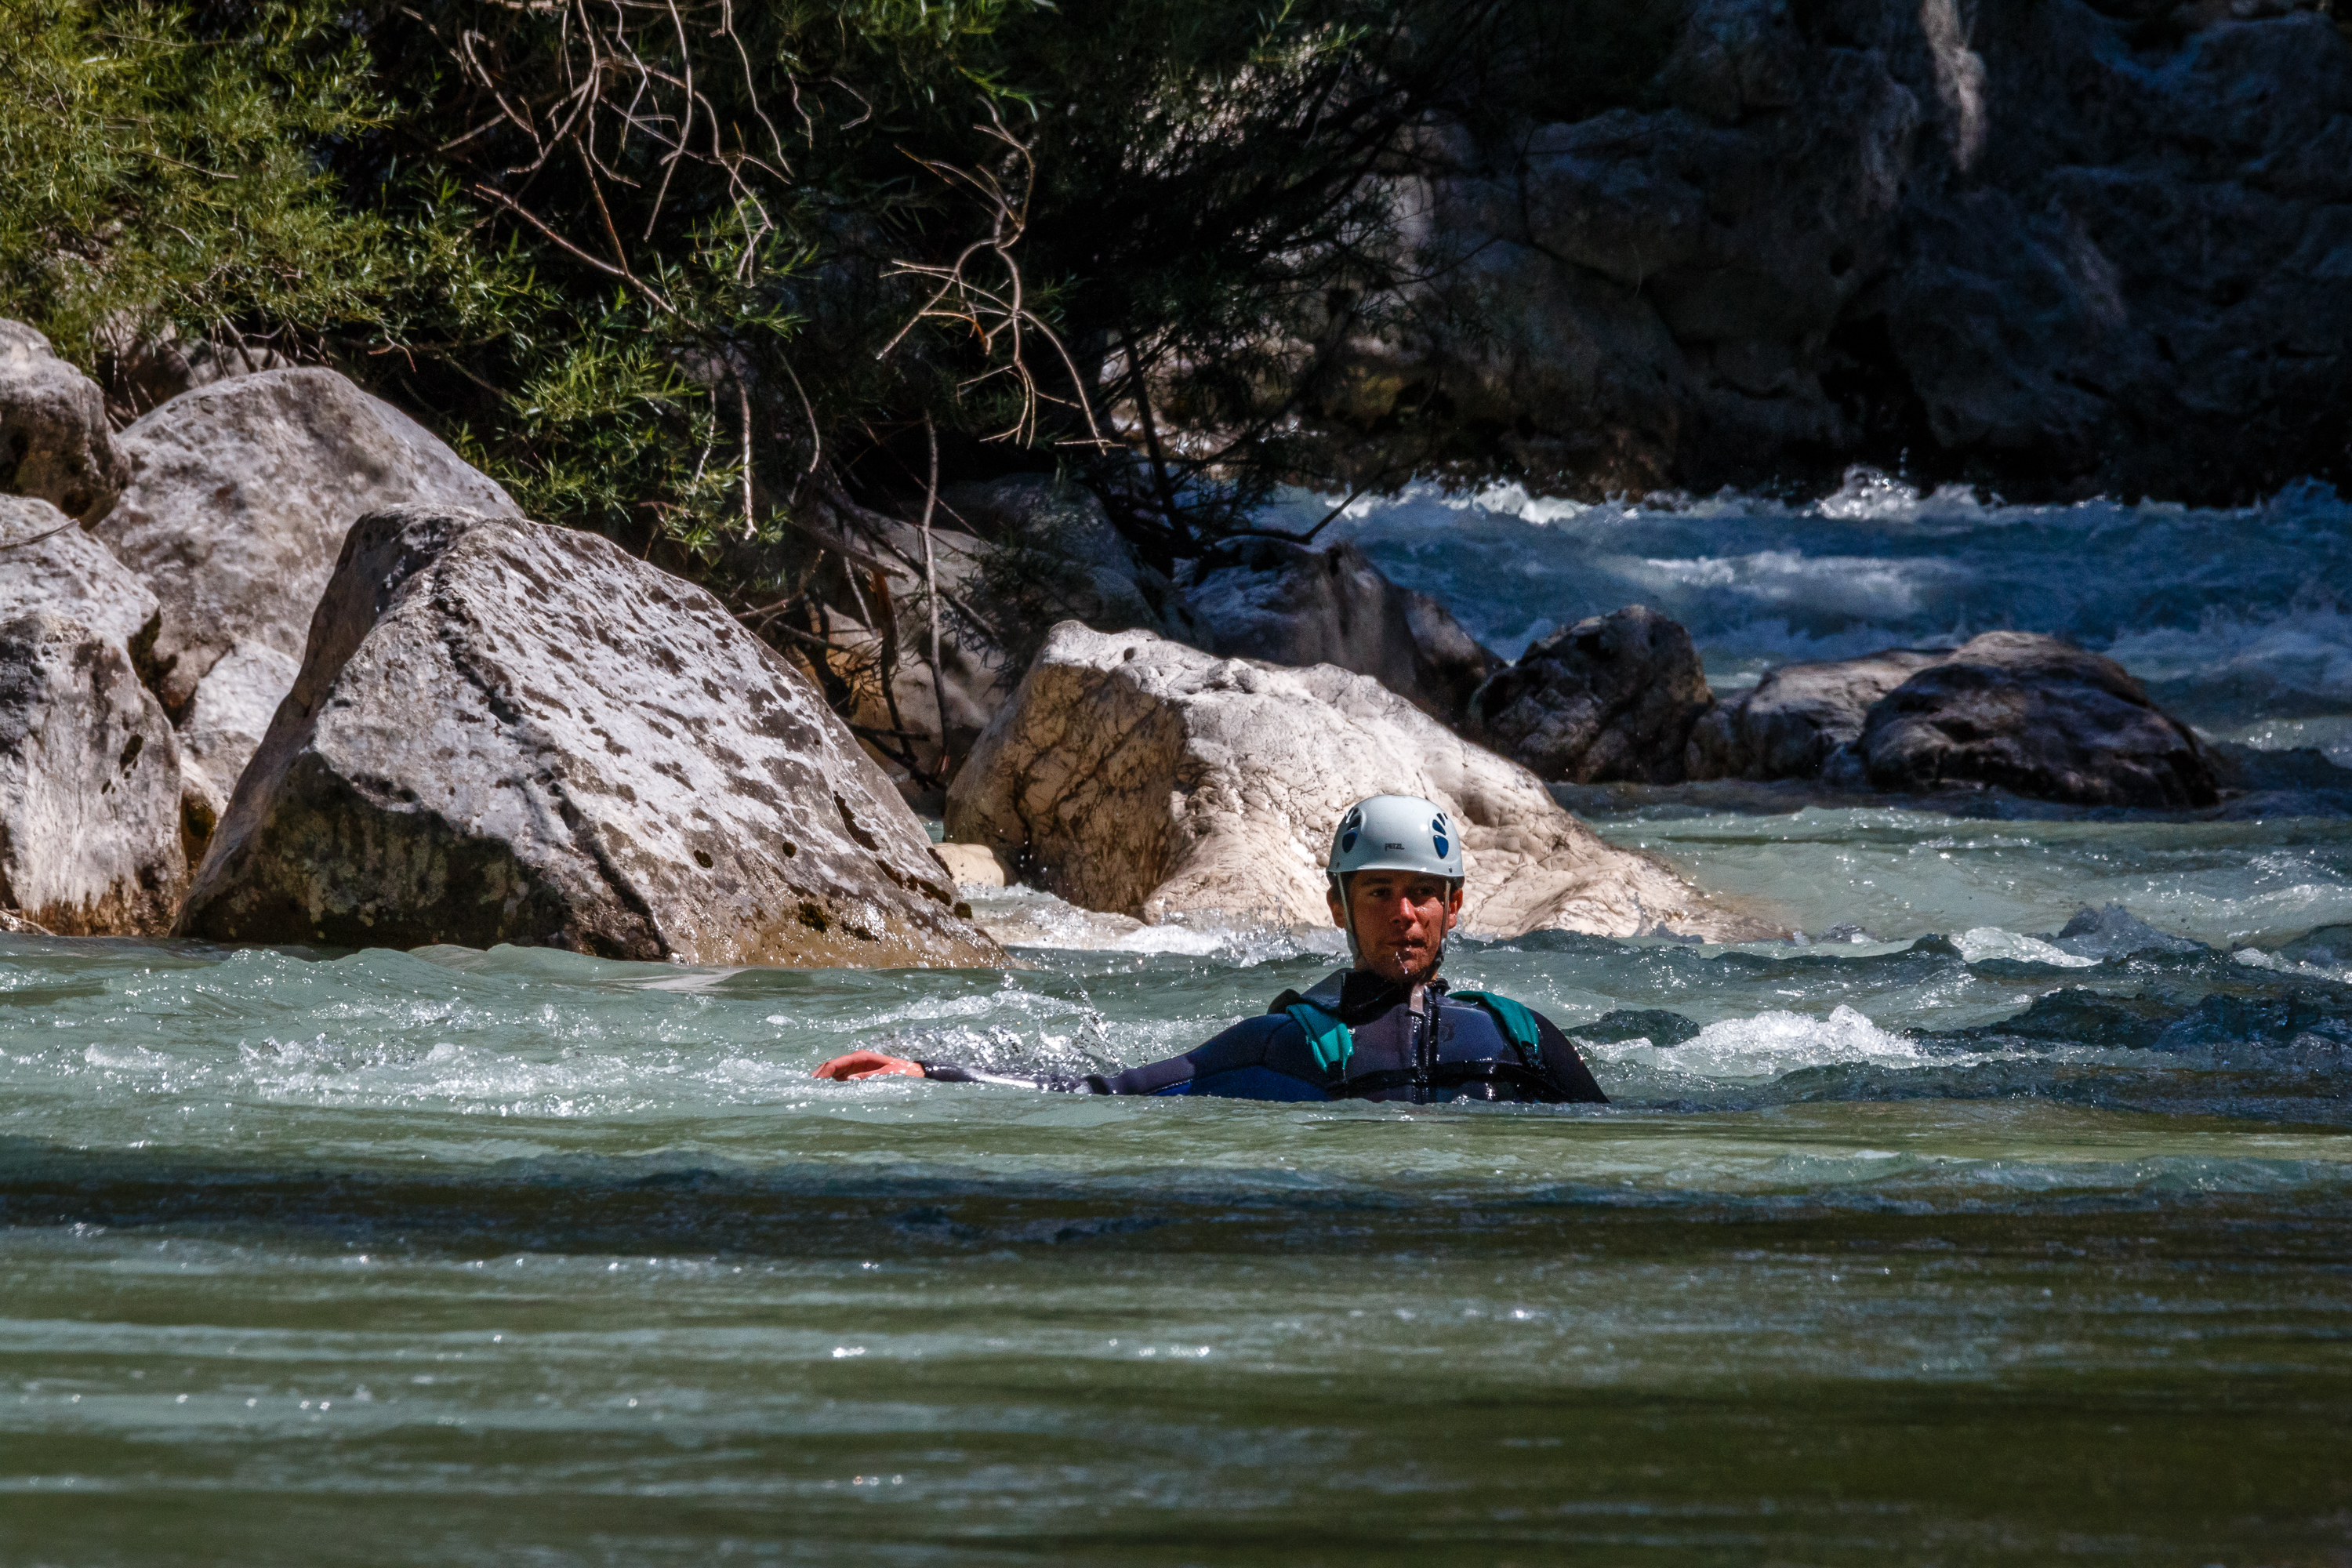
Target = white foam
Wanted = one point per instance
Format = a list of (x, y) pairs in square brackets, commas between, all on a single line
[(1985, 943), (1767, 1046)]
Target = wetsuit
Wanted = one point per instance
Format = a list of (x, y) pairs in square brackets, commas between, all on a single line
[(1445, 1050)]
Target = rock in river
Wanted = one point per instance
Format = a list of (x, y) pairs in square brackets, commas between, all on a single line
[(1147, 778), (2039, 717), (1787, 725), (89, 785), (1612, 697), (240, 494), (506, 732)]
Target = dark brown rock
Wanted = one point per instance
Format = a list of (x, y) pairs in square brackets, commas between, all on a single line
[(1612, 697), (2038, 717), (506, 732)]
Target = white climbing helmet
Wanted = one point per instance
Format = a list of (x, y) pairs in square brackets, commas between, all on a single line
[(1394, 833)]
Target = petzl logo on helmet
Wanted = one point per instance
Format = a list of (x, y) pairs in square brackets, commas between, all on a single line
[(1441, 834)]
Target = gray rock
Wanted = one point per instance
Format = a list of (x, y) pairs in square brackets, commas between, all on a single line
[(89, 785), (49, 563), (1612, 697), (1287, 604), (506, 733), (1790, 722), (1145, 778), (222, 729), (2035, 716), (2019, 241), (54, 443), (240, 494)]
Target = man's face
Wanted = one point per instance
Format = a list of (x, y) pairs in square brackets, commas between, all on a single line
[(1401, 919)]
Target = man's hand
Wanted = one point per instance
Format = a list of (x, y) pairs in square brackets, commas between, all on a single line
[(868, 1064)]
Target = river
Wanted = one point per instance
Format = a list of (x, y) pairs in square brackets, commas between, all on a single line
[(1962, 1229)]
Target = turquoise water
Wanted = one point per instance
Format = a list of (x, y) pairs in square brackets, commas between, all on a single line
[(1938, 1236)]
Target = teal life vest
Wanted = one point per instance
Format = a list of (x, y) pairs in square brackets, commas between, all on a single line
[(1334, 1043)]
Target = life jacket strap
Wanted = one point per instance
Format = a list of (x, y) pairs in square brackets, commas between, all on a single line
[(1332, 1041)]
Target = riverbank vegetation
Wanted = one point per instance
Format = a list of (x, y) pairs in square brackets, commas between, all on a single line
[(678, 271)]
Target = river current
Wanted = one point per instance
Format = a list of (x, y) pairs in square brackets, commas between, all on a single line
[(2004, 1215)]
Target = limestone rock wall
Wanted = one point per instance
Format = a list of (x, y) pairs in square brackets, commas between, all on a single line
[(2057, 247)]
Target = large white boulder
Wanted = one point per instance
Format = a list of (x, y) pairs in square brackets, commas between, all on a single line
[(1147, 778), (89, 785), (55, 442), (240, 494), (508, 733)]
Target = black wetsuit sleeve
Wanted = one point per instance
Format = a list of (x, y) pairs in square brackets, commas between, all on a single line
[(1564, 1067), (1241, 1046)]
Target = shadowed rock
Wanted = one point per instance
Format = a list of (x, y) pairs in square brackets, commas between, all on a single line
[(2038, 717), (1145, 778), (1612, 697), (1289, 604), (506, 733), (89, 785), (55, 442), (1789, 723)]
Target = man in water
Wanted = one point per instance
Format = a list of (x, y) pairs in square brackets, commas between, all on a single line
[(1386, 1029)]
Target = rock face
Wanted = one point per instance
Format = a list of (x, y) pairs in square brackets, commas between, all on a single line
[(1612, 697), (89, 785), (54, 443), (46, 563), (504, 732), (1789, 723), (223, 728), (2057, 246), (2033, 715), (1143, 777), (240, 494), (1285, 604)]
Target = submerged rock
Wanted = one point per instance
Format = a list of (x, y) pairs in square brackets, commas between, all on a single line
[(240, 494), (1790, 722), (506, 733), (55, 442), (2041, 718), (1287, 604), (1612, 697), (1147, 778), (89, 785)]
